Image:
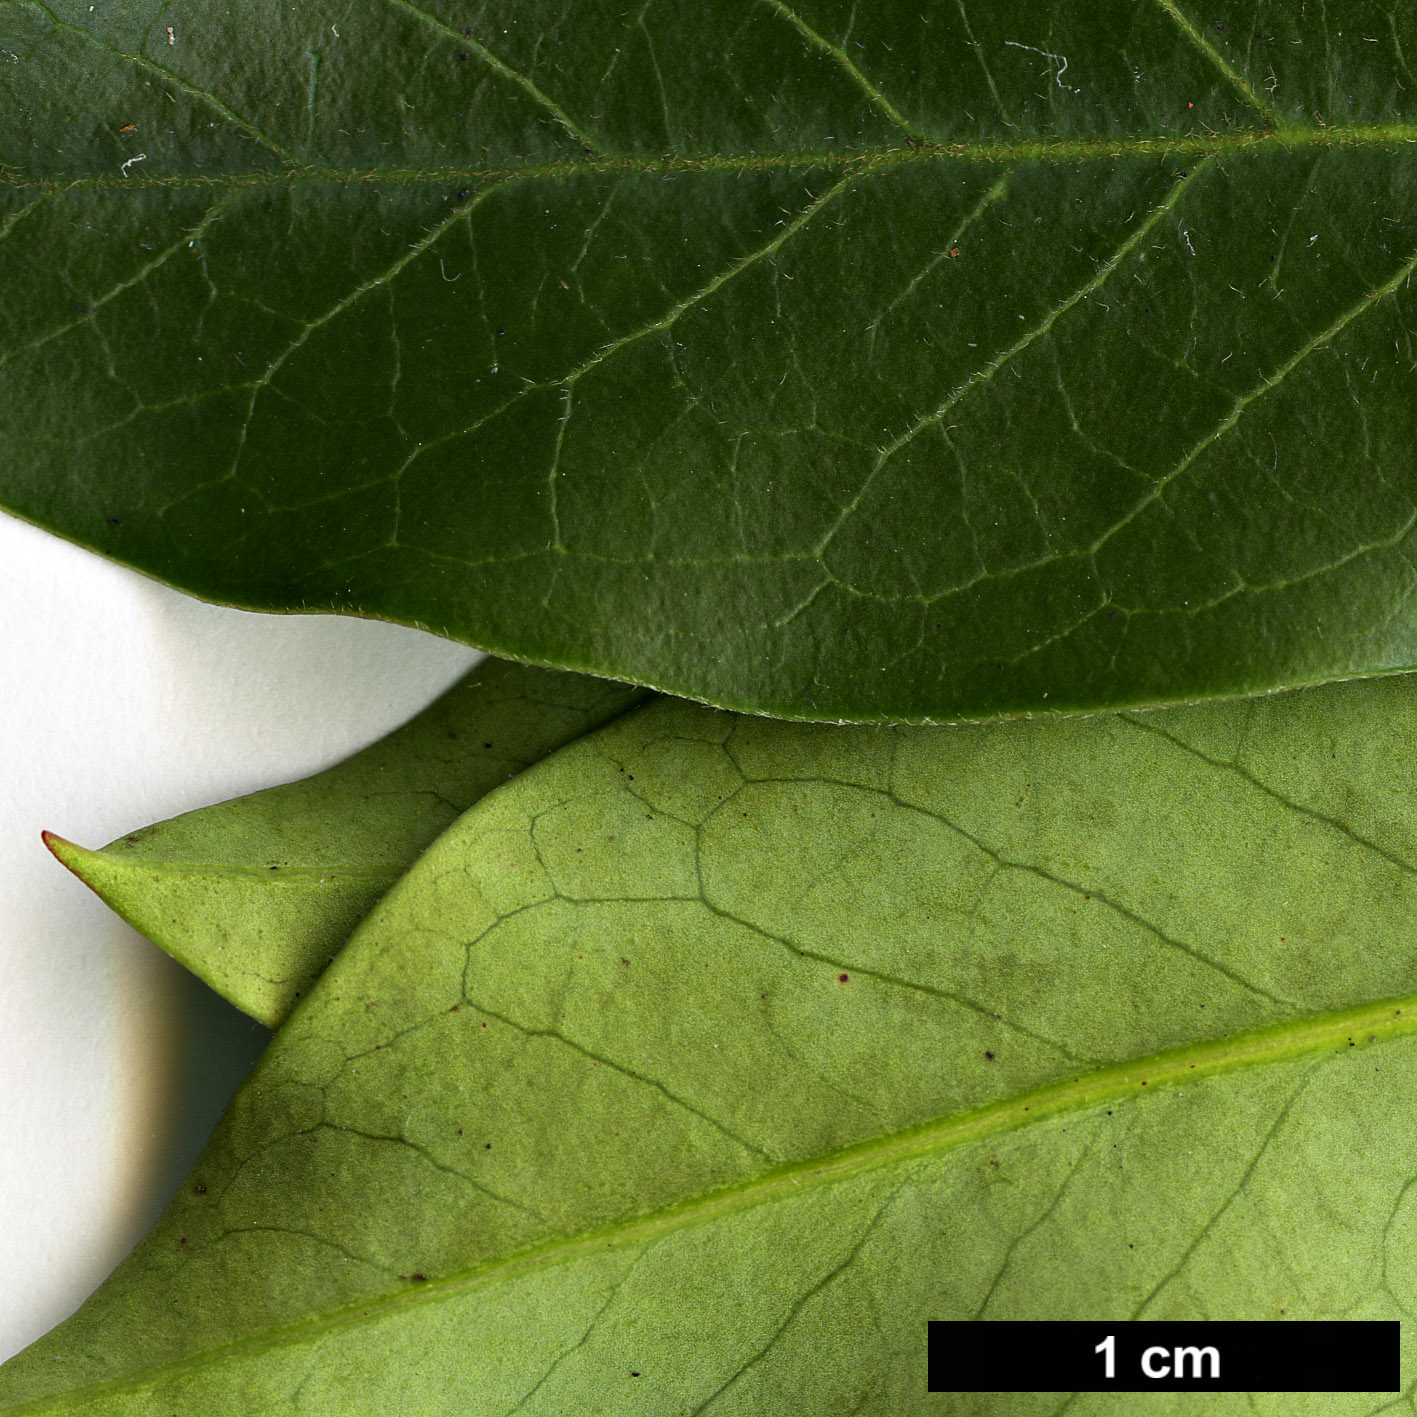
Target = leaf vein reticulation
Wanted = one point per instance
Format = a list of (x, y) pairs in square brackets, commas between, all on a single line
[(1267, 383), (1293, 1039), (139, 61), (1234, 1193), (1357, 838), (503, 69), (1031, 1229), (878, 100), (985, 373), (1213, 56), (803, 1299)]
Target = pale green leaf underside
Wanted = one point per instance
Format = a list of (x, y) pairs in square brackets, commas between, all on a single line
[(698, 1067), (258, 894), (826, 360)]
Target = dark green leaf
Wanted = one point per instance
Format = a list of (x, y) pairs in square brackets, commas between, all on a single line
[(258, 894), (835, 361), (696, 1069)]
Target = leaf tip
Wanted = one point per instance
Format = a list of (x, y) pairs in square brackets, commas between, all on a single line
[(65, 852)]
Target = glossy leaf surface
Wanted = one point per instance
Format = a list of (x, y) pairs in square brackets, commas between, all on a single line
[(696, 1069), (829, 361), (257, 895)]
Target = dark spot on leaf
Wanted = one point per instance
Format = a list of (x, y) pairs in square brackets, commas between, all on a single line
[(500, 333), (634, 1375), (843, 979), (488, 1147), (453, 736), (464, 55), (113, 521), (454, 1008), (463, 194), (486, 745), (183, 1240), (200, 1189), (419, 1278), (989, 1056)]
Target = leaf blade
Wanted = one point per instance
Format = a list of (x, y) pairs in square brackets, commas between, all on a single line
[(258, 894), (665, 368), (1075, 983)]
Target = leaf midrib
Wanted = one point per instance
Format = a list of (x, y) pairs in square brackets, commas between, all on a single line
[(1356, 1027), (854, 159)]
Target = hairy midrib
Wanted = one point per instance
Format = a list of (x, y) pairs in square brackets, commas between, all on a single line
[(1356, 1027), (863, 159)]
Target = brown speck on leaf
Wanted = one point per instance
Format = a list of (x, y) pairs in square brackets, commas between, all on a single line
[(183, 1240), (129, 128), (454, 1008), (419, 1278), (454, 736), (989, 1056), (954, 251), (113, 521), (843, 979), (200, 1189)]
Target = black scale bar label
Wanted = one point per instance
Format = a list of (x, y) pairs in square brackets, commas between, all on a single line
[(1282, 1356)]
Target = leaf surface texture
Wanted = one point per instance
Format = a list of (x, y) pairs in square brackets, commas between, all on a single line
[(823, 360), (697, 1068), (258, 894)]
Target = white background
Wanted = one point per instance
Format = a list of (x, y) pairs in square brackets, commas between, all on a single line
[(122, 703)]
